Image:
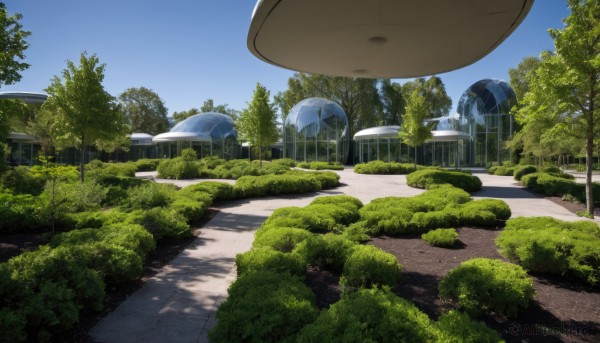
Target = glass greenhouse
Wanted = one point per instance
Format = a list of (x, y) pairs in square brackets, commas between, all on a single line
[(474, 136), (316, 129), (210, 134)]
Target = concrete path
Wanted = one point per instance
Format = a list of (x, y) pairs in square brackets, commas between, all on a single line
[(179, 303)]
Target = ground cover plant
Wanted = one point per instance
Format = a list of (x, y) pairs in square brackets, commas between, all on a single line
[(445, 238), (381, 167), (438, 207), (426, 177), (483, 285), (544, 244)]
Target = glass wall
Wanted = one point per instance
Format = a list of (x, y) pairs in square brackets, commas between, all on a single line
[(209, 134), (316, 129), (475, 136)]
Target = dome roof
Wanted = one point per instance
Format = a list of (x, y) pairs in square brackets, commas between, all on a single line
[(203, 127), (378, 131), (486, 97), (310, 114)]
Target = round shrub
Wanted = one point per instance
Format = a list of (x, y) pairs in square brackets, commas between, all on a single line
[(380, 167), (149, 195), (521, 171), (162, 223), (368, 265), (345, 201), (218, 190), (456, 326), (425, 221), (268, 259), (370, 315), (328, 251), (445, 238), (447, 192), (309, 218), (481, 217), (498, 207), (282, 239), (549, 245), (21, 181), (264, 307), (424, 178), (487, 285)]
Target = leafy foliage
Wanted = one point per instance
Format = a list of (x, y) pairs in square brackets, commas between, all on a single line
[(445, 238), (425, 178), (268, 259), (483, 285), (264, 307), (370, 315), (544, 244), (144, 111), (368, 265), (380, 167), (456, 326)]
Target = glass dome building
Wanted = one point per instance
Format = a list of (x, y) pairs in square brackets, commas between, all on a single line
[(474, 136), (316, 129), (210, 134)]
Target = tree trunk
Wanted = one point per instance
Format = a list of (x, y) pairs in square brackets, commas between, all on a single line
[(82, 163), (415, 157), (260, 157), (589, 195)]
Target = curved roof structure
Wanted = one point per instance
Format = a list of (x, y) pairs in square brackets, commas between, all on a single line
[(378, 132), (309, 115), (448, 136), (26, 97), (380, 39), (486, 97), (203, 127)]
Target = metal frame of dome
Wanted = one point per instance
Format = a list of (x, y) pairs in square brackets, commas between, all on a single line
[(380, 39)]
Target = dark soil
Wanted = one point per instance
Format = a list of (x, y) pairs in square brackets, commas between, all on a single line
[(564, 310)]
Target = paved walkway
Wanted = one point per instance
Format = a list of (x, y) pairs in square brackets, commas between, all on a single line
[(179, 303)]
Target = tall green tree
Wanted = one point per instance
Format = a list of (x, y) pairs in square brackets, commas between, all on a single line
[(433, 90), (13, 47), (144, 111), (393, 102), (567, 83), (86, 113), (522, 76), (413, 131), (257, 123)]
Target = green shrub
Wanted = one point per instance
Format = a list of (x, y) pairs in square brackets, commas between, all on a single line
[(256, 186), (283, 239), (325, 166), (498, 207), (425, 221), (147, 164), (21, 181), (268, 259), (264, 307), (492, 170), (356, 232), (304, 165), (438, 196), (457, 327), (190, 209), (18, 213), (162, 223), (97, 169), (530, 180), (424, 178), (477, 218), (328, 251), (380, 167), (288, 162), (483, 285), (149, 195), (304, 218), (370, 315), (83, 220), (368, 265), (346, 201), (218, 190), (523, 170), (178, 168), (504, 171), (545, 244), (445, 238)]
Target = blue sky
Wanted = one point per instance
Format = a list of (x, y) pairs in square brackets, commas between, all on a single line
[(190, 50)]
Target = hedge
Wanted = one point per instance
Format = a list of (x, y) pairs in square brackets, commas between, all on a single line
[(268, 259), (264, 307), (560, 184), (368, 265), (380, 167), (329, 251), (549, 245), (283, 239), (370, 315), (424, 178), (483, 285)]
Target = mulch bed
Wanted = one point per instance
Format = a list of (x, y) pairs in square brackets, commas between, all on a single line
[(563, 310)]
